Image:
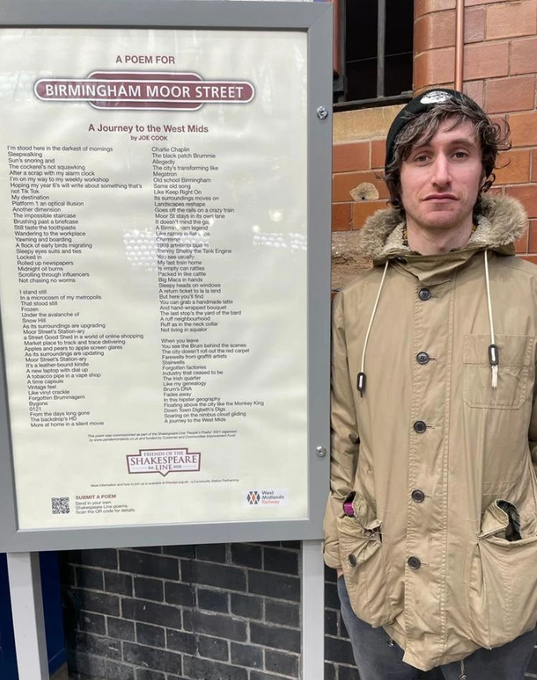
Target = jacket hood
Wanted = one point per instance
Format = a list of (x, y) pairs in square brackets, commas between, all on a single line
[(501, 222)]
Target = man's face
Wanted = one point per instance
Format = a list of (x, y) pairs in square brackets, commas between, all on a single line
[(440, 180)]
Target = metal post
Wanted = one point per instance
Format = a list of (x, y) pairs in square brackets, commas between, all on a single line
[(459, 45), (312, 610), (381, 47), (28, 617)]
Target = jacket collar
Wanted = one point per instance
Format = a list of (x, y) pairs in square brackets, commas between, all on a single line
[(502, 221)]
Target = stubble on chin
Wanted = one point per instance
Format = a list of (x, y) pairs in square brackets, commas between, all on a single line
[(438, 219)]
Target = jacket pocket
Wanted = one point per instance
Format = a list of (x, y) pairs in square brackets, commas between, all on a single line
[(363, 558), (503, 580), (513, 374)]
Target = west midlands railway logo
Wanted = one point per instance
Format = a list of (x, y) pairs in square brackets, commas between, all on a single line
[(263, 497), (253, 497)]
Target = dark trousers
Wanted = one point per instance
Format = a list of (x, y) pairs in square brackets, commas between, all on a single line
[(380, 658)]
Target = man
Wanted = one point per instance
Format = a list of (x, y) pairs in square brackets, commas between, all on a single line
[(432, 516)]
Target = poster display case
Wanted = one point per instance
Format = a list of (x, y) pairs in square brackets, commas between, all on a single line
[(164, 272)]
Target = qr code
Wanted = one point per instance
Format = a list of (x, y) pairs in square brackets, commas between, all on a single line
[(60, 506)]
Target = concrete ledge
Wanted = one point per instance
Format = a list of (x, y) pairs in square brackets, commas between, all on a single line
[(364, 124)]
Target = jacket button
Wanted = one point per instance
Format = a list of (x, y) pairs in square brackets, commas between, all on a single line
[(414, 562), (422, 358), (424, 294), (418, 496), (352, 560), (420, 426)]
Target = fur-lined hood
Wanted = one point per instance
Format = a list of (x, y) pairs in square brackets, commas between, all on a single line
[(502, 221)]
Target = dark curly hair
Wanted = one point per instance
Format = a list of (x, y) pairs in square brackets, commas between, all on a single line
[(423, 126)]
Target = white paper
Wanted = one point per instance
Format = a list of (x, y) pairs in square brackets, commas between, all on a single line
[(153, 274)]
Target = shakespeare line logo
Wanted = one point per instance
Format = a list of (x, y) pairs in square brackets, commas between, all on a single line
[(144, 90), (148, 461)]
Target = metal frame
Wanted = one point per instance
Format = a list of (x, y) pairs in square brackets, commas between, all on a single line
[(340, 85), (340, 42), (28, 616), (381, 47), (316, 20), (312, 595)]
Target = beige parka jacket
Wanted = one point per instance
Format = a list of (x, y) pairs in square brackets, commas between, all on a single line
[(442, 465)]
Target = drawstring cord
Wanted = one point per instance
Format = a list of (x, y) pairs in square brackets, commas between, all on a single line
[(494, 358), (361, 380), (494, 352)]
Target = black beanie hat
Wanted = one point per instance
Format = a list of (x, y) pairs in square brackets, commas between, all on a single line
[(420, 104)]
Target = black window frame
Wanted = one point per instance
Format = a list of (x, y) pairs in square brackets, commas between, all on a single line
[(340, 101)]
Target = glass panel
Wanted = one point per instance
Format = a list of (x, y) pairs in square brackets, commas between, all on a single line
[(153, 261)]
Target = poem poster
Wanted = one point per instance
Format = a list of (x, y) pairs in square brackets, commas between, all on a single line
[(153, 261)]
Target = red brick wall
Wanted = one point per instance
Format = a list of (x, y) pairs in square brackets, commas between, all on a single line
[(500, 67), (500, 74), (355, 163)]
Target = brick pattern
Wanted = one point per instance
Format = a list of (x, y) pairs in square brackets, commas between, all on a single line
[(218, 612), (231, 612), (500, 66), (500, 74), (363, 165), (339, 662)]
